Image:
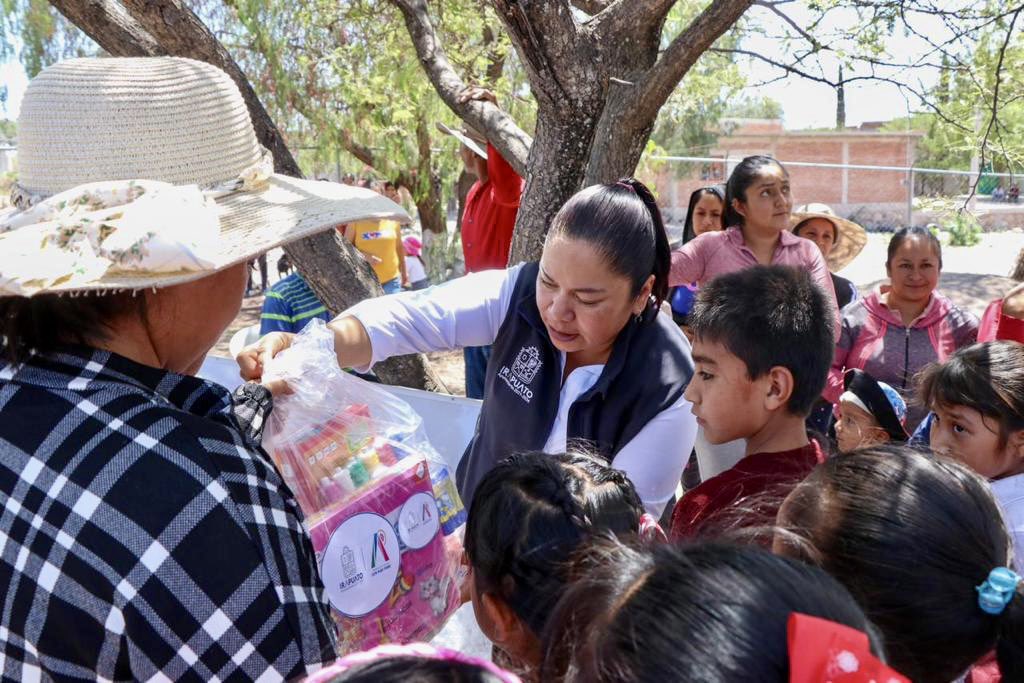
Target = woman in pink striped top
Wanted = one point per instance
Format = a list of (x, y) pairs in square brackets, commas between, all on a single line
[(757, 208)]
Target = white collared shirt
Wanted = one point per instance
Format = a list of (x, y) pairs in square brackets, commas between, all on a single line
[(469, 311), (1009, 493)]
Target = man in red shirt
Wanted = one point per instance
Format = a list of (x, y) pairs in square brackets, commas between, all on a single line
[(487, 221)]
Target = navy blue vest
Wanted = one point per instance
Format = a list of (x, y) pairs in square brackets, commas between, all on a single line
[(647, 371)]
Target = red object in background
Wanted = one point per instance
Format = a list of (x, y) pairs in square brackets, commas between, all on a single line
[(995, 325), (822, 650), (490, 215)]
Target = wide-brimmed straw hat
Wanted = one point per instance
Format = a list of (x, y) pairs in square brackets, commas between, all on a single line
[(468, 136), (850, 237), (139, 173)]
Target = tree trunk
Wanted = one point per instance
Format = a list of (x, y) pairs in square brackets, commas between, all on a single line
[(462, 187), (167, 27), (428, 183), (620, 139), (558, 162), (840, 101), (409, 371)]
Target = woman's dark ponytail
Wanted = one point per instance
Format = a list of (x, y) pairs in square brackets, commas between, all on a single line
[(662, 252), (1010, 646)]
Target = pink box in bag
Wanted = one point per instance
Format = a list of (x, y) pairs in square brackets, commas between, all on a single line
[(384, 562)]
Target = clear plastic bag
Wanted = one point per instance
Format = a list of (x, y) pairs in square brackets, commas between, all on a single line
[(381, 506)]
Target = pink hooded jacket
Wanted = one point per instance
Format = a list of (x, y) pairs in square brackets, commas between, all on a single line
[(873, 338)]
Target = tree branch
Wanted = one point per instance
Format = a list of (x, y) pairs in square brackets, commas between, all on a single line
[(496, 125), (106, 22), (623, 16), (550, 44), (771, 7), (591, 7), (684, 51), (995, 105), (789, 69)]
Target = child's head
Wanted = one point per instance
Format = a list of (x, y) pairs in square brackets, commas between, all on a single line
[(978, 399), (705, 612), (912, 537), (763, 345), (757, 194), (414, 663), (870, 412), (528, 516)]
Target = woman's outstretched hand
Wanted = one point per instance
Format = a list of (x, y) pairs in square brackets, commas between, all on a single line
[(253, 359)]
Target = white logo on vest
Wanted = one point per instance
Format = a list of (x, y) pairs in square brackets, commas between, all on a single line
[(524, 369)]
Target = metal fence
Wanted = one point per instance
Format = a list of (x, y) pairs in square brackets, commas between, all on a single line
[(878, 197)]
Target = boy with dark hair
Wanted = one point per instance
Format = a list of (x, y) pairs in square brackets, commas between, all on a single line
[(763, 344)]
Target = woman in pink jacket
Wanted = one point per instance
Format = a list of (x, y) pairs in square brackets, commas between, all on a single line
[(897, 330)]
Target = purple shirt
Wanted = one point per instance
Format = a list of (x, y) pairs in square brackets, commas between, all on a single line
[(715, 253)]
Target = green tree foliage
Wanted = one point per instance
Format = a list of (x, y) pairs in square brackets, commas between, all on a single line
[(344, 75), (37, 35)]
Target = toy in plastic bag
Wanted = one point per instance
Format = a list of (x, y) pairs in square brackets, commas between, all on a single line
[(380, 504)]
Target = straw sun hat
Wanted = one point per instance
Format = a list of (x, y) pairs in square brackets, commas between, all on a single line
[(850, 237), (145, 172)]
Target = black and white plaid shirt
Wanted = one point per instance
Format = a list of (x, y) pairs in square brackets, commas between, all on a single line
[(143, 535)]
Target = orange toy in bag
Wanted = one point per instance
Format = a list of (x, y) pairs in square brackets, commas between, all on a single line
[(353, 453)]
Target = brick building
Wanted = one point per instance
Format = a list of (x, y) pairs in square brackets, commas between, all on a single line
[(869, 197)]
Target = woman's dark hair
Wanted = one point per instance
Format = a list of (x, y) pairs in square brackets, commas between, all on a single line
[(44, 322), (742, 177), (412, 669), (623, 223), (901, 236), (709, 612), (713, 190), (528, 516), (987, 377), (912, 537)]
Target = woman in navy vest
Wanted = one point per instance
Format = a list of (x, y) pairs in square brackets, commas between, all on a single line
[(580, 350)]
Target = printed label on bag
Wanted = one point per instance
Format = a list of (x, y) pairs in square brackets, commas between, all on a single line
[(360, 564), (418, 521)]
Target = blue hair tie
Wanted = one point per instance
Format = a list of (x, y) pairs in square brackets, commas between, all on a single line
[(997, 590)]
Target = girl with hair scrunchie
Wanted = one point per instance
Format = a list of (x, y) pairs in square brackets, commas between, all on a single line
[(921, 544)]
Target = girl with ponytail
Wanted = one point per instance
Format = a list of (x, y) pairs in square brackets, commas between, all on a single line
[(530, 514), (579, 350), (920, 543)]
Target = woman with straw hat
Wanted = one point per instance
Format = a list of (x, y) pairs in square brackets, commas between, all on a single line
[(838, 239), (146, 533)]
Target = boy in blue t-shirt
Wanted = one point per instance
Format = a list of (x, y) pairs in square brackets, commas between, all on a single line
[(289, 306)]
